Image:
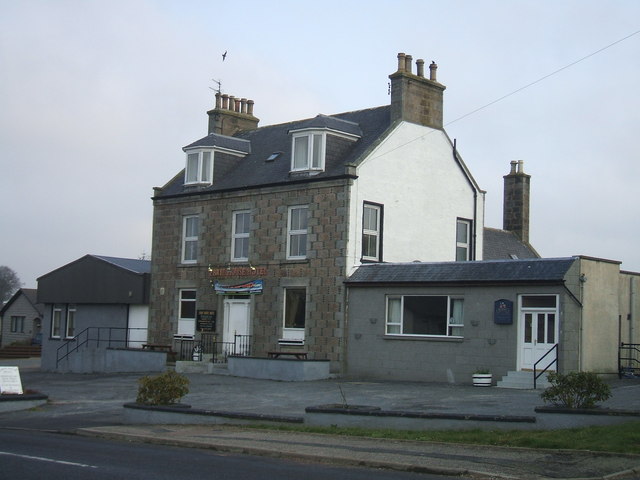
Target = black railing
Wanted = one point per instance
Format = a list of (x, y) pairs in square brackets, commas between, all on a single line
[(196, 350), (107, 337), (628, 359), (536, 375)]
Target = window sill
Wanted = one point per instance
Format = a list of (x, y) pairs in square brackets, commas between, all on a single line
[(425, 338)]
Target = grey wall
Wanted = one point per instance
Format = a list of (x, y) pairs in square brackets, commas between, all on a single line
[(370, 354)]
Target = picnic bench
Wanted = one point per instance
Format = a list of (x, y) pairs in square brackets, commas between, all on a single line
[(298, 355)]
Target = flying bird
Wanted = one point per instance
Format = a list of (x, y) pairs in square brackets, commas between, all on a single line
[(224, 55)]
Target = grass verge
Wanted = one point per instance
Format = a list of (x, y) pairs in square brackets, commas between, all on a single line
[(622, 438)]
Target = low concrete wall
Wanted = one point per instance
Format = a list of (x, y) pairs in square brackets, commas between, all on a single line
[(113, 360), (288, 370), (14, 403)]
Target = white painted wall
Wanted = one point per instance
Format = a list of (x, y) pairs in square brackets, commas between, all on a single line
[(412, 172)]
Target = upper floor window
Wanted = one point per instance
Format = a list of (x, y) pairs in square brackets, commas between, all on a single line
[(463, 240), (308, 152), (190, 231), (371, 232), (425, 315), (240, 236), (199, 167), (297, 232)]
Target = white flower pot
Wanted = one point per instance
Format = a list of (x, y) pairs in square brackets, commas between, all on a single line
[(482, 379)]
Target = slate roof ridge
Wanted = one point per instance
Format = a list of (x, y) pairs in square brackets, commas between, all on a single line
[(131, 264), (497, 260), (29, 293)]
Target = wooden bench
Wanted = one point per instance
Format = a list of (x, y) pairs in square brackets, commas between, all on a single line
[(298, 355), (155, 347)]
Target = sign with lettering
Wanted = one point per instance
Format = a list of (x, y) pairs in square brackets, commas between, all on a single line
[(10, 380), (503, 312), (251, 287), (206, 321), (237, 272)]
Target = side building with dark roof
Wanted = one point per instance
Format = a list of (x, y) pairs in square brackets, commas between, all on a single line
[(96, 312), (21, 319), (443, 321), (259, 231)]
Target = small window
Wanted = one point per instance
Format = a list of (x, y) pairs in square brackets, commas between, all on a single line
[(17, 324), (463, 240), (199, 168), (371, 232), (297, 232), (240, 236), (273, 156), (308, 152), (71, 321), (425, 315), (539, 301), (190, 231), (56, 321)]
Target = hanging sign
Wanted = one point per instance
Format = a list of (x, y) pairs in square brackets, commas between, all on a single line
[(503, 312), (10, 380), (251, 287)]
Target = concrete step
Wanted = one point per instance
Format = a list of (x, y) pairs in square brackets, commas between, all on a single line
[(522, 380), (20, 351)]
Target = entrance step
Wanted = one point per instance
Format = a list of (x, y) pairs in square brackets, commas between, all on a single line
[(522, 380)]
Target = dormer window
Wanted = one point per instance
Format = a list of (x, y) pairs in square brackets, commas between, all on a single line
[(199, 167), (308, 152)]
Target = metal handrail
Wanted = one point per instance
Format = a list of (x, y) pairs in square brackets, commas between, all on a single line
[(85, 336), (191, 349), (633, 361), (535, 365)]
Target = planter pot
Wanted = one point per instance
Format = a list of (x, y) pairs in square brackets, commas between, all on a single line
[(482, 379)]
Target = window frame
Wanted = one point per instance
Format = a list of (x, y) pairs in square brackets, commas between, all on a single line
[(294, 333), (450, 327), (466, 245), (298, 232), (312, 162), (17, 323), (184, 301), (201, 177), (378, 208), (244, 236), (56, 321), (69, 329), (190, 239)]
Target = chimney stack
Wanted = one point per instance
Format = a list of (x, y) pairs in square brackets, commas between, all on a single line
[(415, 98), (231, 115), (515, 212)]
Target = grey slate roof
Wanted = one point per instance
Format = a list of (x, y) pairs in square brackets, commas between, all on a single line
[(254, 171), (333, 123), (222, 141), (132, 264), (30, 294), (538, 270), (503, 244)]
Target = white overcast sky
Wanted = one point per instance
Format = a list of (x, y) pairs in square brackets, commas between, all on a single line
[(97, 98)]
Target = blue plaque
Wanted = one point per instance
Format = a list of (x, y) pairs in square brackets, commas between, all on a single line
[(503, 312)]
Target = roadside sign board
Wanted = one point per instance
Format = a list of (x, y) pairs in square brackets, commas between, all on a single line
[(10, 380)]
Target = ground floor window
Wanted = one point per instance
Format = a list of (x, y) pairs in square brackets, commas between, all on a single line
[(56, 321), (295, 312), (17, 324), (71, 321), (425, 315), (187, 312)]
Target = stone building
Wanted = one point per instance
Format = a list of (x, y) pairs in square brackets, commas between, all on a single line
[(260, 230)]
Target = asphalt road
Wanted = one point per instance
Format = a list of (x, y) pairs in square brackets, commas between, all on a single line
[(33, 455)]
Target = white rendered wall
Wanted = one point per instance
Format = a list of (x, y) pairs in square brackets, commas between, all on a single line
[(414, 175)]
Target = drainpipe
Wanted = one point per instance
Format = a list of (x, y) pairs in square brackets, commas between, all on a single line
[(582, 279)]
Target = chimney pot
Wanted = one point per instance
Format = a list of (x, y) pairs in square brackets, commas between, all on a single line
[(243, 104), (432, 71), (217, 100), (225, 101), (232, 102), (514, 164), (520, 166), (408, 59), (420, 64), (250, 107), (401, 62), (236, 107)]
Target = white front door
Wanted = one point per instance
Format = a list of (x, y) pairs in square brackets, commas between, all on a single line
[(138, 325), (538, 330), (236, 322)]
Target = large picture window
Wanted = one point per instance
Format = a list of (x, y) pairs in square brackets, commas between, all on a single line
[(297, 232), (190, 231), (371, 232), (431, 315), (240, 236)]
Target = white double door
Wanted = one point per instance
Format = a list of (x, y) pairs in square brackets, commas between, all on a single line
[(236, 322)]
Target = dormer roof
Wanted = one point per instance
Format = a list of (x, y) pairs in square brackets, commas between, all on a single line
[(214, 140), (326, 122)]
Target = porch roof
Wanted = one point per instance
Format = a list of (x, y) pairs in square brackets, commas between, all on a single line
[(535, 270)]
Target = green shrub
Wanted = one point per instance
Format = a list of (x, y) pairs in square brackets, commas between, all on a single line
[(165, 389), (576, 390)]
